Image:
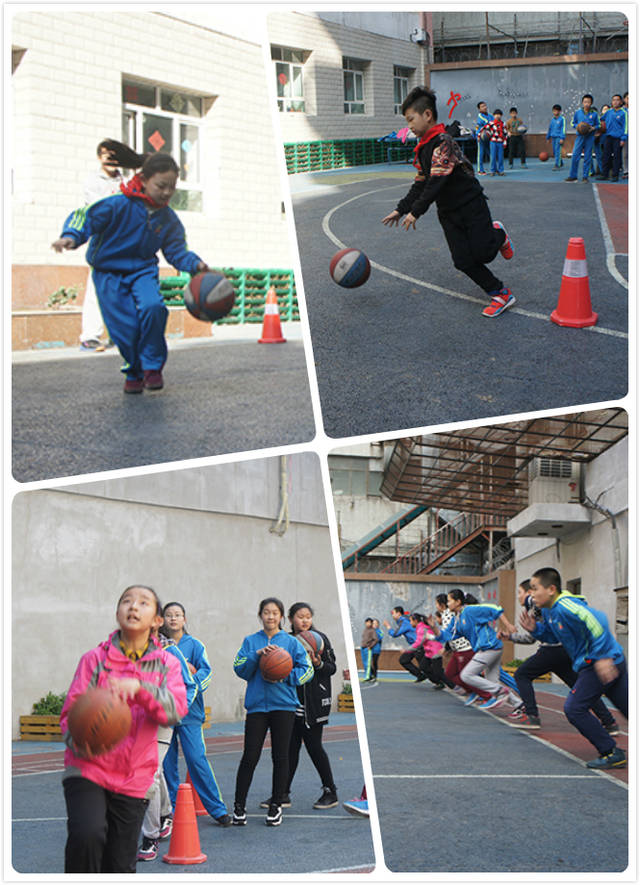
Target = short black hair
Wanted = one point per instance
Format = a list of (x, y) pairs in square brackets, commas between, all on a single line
[(513, 109), (421, 99), (498, 111), (549, 576), (480, 102), (398, 608), (368, 619), (526, 584), (441, 598), (587, 95), (556, 107)]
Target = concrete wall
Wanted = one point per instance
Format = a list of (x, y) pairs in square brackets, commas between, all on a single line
[(75, 550), (66, 95), (327, 42), (589, 554)]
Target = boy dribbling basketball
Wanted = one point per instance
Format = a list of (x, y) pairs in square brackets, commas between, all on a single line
[(445, 177)]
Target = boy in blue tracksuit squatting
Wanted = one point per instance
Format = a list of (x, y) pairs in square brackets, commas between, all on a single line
[(556, 135), (616, 128), (484, 154), (126, 231), (596, 656), (584, 143), (402, 628), (189, 729)]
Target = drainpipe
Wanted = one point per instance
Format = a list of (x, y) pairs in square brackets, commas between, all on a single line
[(617, 557), (281, 524)]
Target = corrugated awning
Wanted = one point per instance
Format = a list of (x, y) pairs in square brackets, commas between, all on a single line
[(484, 469)]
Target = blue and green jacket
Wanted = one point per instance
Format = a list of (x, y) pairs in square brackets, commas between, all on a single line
[(262, 696), (195, 653), (617, 123), (583, 631), (557, 127), (125, 235), (474, 623), (592, 118), (403, 628)]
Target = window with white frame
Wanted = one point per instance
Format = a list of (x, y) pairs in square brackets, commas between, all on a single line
[(160, 118), (401, 78), (353, 70), (288, 64)]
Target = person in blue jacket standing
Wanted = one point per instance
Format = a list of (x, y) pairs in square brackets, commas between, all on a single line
[(126, 231), (556, 135), (596, 656), (189, 729), (270, 706), (584, 143), (615, 125), (482, 119), (403, 628)]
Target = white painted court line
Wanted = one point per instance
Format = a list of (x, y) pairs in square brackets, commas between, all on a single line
[(490, 776), (608, 241), (601, 330)]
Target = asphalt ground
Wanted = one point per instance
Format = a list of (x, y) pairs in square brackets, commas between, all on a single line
[(459, 790), (70, 415), (411, 348), (308, 840)]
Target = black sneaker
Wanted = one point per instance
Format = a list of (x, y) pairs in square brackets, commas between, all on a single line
[(611, 728), (421, 677), (617, 758), (329, 799), (286, 802), (149, 849), (239, 815), (224, 820), (438, 686), (274, 816), (571, 179)]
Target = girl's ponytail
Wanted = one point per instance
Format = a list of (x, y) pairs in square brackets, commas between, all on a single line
[(122, 154)]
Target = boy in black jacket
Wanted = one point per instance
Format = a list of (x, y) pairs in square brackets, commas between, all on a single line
[(446, 177)]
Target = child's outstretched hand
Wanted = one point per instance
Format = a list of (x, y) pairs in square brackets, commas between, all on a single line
[(392, 218), (63, 243), (409, 221)]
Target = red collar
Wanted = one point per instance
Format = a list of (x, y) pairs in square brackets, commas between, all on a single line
[(438, 129), (133, 188)]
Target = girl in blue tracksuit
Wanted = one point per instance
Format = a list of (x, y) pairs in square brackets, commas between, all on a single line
[(475, 623), (615, 125), (189, 729), (556, 135), (270, 706), (126, 231)]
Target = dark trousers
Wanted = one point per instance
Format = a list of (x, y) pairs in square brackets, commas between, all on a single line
[(432, 668), (374, 665), (103, 828), (407, 657), (312, 739), (551, 659), (280, 724), (611, 156), (473, 241), (516, 149), (584, 693)]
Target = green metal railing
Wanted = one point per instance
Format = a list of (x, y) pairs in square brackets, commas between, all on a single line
[(251, 286), (314, 156)]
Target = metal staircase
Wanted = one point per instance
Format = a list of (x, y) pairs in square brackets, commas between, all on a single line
[(444, 543)]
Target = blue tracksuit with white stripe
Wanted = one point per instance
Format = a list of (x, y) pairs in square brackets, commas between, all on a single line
[(583, 143), (617, 132), (584, 632), (189, 732), (125, 233), (556, 134), (483, 146)]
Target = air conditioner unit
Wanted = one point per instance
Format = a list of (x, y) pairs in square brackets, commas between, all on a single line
[(554, 481)]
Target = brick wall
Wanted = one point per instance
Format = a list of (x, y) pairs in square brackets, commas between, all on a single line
[(66, 95), (324, 116)]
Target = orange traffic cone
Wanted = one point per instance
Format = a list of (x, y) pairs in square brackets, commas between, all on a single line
[(184, 847), (197, 801), (271, 329), (574, 301)]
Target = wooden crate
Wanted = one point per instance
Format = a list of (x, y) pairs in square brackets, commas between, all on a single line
[(546, 677), (345, 703), (40, 728)]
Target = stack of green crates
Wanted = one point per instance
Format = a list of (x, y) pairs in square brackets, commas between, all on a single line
[(251, 286), (314, 156)]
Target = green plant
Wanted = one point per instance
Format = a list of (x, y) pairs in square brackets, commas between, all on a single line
[(346, 688), (50, 705), (63, 295), (515, 662)]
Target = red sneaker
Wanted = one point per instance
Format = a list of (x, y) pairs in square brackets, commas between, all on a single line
[(133, 385), (153, 379), (506, 250), (500, 302)]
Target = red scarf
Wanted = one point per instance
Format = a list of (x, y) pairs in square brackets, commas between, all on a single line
[(438, 129), (133, 188)]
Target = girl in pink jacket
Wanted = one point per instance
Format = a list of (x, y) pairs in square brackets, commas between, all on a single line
[(105, 792)]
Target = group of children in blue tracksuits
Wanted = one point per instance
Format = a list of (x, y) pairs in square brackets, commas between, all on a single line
[(605, 136)]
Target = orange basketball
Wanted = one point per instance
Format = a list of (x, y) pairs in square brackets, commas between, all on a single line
[(543, 156), (100, 719), (276, 664)]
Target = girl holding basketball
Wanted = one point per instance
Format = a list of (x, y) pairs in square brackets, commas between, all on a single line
[(105, 790), (270, 705), (126, 230), (312, 713)]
